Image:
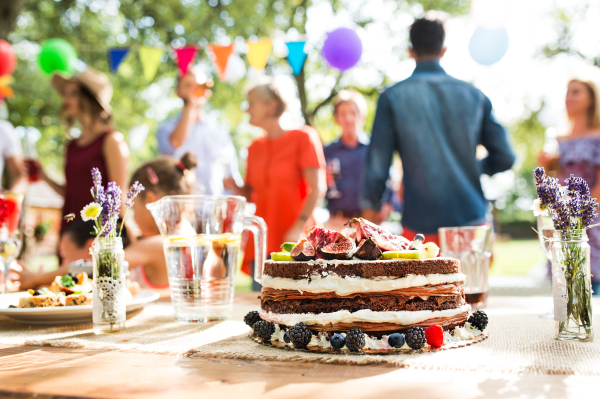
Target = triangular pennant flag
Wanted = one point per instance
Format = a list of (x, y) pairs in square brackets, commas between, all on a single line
[(258, 53), (150, 58), (220, 56), (185, 56), (296, 56), (115, 56)]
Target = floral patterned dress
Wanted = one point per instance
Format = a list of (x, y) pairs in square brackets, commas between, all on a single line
[(581, 157)]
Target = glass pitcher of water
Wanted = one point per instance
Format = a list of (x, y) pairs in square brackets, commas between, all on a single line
[(202, 237)]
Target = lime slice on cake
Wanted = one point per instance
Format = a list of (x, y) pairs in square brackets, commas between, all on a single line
[(281, 256), (288, 246), (408, 254)]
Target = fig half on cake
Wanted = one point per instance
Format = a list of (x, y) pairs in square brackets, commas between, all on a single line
[(343, 249), (303, 251), (368, 250)]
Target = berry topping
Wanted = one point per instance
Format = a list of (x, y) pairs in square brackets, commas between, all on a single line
[(415, 337), (355, 340), (263, 329), (419, 237), (435, 336), (300, 335), (337, 341), (396, 340), (479, 320), (251, 318), (286, 337)]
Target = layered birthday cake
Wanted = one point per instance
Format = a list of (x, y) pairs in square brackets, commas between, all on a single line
[(367, 291)]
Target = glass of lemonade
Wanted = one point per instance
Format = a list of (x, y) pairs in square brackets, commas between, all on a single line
[(202, 236)]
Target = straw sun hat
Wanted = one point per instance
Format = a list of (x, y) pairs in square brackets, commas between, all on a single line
[(94, 81)]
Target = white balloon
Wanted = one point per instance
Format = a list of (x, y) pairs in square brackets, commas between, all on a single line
[(491, 14), (236, 68)]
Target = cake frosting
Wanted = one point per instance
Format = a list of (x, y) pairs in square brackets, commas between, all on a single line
[(349, 285)]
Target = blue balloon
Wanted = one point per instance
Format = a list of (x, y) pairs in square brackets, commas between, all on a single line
[(488, 46)]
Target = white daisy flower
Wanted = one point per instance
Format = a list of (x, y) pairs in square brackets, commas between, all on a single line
[(91, 211), (537, 209)]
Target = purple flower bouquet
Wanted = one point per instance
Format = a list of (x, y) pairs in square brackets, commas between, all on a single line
[(573, 210), (108, 288)]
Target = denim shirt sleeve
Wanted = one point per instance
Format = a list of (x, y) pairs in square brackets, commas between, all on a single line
[(379, 156), (163, 133), (495, 140)]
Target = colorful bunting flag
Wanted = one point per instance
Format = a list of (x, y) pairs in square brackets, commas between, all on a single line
[(185, 56), (258, 53), (150, 58), (296, 56), (5, 90), (220, 56), (115, 57)]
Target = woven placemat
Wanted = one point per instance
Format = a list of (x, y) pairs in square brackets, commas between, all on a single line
[(518, 342)]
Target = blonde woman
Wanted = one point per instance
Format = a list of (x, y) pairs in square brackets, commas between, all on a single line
[(285, 173), (579, 152)]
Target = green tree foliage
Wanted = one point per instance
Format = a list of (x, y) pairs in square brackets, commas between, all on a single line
[(93, 26)]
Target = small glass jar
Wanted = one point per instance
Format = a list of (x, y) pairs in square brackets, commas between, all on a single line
[(572, 285), (109, 287)]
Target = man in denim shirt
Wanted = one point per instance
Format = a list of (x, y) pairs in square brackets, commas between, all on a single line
[(435, 122)]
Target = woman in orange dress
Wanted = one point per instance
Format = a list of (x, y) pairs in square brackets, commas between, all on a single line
[(285, 173)]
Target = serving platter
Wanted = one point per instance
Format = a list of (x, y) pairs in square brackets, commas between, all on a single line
[(64, 314)]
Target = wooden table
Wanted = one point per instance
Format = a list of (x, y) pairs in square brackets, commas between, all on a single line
[(47, 372)]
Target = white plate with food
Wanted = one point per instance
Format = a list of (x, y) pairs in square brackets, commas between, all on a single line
[(64, 314)]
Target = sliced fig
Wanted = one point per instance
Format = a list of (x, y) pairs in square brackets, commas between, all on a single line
[(343, 249), (320, 237), (352, 236), (303, 251), (385, 240), (368, 250)]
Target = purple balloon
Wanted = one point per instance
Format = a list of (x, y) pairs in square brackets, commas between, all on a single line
[(342, 48)]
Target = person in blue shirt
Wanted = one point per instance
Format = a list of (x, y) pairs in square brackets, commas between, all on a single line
[(190, 131), (436, 123), (346, 159)]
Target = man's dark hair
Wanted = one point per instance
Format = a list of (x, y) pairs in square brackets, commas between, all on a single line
[(80, 232), (427, 37)]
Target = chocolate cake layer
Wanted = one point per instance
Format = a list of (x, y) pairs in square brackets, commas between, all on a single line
[(374, 268), (378, 329), (375, 303), (422, 292)]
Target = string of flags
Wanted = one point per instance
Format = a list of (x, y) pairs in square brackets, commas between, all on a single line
[(257, 56)]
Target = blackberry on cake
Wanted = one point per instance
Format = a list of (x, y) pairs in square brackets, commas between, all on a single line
[(337, 341), (286, 337), (251, 318), (263, 329), (396, 340), (415, 338), (300, 335), (355, 340), (479, 320)]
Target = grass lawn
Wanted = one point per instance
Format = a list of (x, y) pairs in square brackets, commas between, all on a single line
[(516, 257)]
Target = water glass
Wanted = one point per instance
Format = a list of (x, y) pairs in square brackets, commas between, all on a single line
[(202, 237), (470, 245)]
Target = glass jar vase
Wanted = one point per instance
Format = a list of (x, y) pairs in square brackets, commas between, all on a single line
[(572, 285), (109, 287)]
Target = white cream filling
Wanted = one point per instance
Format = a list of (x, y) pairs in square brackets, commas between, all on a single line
[(351, 285), (364, 315)]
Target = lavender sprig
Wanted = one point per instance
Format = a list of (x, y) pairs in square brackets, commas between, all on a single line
[(133, 192)]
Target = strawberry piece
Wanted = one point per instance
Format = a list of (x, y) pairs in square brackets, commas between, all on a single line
[(434, 336)]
